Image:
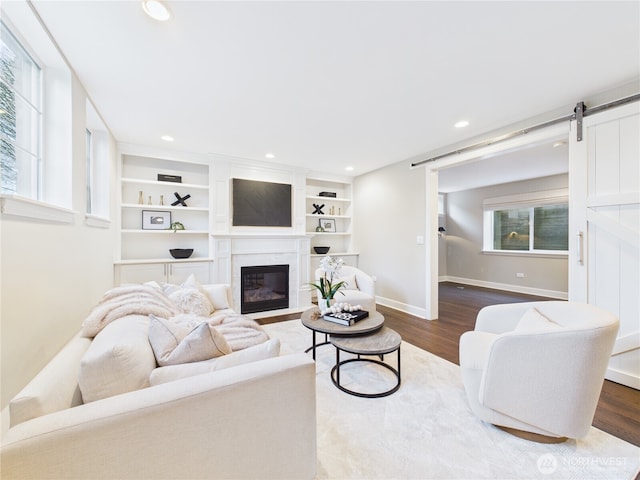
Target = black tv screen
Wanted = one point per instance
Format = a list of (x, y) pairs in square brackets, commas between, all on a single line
[(261, 204)]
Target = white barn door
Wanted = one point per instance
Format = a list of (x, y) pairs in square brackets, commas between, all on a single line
[(604, 260)]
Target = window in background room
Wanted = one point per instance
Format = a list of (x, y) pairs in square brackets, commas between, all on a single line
[(531, 222), (20, 118)]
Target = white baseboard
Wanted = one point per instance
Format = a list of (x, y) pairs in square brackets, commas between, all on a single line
[(403, 307), (507, 287), (623, 378), (422, 312)]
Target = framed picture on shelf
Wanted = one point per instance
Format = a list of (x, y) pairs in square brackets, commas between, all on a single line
[(156, 220), (328, 224)]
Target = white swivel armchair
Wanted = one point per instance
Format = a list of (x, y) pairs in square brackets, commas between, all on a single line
[(359, 289), (536, 369)]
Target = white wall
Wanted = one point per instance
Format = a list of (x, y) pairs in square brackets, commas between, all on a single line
[(465, 261), (389, 213), (51, 274)]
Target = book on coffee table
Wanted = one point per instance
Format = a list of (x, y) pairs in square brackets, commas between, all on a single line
[(346, 318)]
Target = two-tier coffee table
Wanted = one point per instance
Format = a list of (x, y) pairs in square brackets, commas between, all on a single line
[(311, 319), (367, 337)]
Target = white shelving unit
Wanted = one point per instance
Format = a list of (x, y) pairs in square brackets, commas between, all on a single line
[(336, 210), (144, 253)]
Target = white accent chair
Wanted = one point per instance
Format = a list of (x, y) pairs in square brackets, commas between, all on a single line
[(359, 289), (536, 369)]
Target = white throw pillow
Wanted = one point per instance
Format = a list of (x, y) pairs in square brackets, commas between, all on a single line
[(191, 300), (534, 321), (262, 351), (350, 282), (217, 295), (119, 359), (173, 344), (192, 282)]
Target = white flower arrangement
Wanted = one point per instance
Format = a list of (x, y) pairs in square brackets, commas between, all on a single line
[(326, 288)]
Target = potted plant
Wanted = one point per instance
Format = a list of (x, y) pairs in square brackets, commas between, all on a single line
[(326, 286), (175, 226)]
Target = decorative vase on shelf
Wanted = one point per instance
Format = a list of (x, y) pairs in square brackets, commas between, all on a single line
[(140, 197)]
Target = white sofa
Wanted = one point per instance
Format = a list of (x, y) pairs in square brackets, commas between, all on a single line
[(252, 420), (536, 368)]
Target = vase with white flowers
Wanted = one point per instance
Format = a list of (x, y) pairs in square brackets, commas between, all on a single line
[(326, 287)]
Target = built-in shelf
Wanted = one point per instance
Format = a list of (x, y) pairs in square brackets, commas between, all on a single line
[(329, 199), (315, 215), (176, 185), (144, 253), (166, 232), (163, 260), (180, 208), (340, 241)]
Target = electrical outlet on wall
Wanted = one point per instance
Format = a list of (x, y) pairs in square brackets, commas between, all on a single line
[(520, 275)]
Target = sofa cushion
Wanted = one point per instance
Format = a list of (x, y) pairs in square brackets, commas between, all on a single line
[(534, 321), (170, 373), (217, 295), (349, 282), (174, 344), (191, 300), (119, 359)]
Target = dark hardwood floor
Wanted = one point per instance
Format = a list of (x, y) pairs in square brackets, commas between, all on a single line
[(618, 411)]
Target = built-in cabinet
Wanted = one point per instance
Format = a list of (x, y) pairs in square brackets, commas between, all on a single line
[(170, 272), (147, 214), (333, 227)]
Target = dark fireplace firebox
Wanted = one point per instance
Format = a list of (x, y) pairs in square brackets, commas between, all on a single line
[(264, 287)]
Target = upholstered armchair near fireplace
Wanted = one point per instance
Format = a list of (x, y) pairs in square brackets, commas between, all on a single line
[(536, 369), (359, 289)]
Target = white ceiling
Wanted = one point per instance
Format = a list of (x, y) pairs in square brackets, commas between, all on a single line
[(325, 85)]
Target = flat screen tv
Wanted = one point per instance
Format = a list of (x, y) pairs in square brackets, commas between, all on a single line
[(260, 204)]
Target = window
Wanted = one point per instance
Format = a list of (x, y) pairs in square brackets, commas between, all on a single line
[(97, 164), (36, 133), (532, 222), (89, 166), (20, 118)]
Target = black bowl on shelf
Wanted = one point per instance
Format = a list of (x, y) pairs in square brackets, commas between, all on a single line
[(321, 250), (181, 252)]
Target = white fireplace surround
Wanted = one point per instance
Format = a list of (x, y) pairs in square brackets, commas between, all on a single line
[(231, 252)]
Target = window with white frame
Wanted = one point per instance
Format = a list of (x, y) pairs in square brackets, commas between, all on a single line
[(535, 222), (20, 118), (36, 140), (97, 164)]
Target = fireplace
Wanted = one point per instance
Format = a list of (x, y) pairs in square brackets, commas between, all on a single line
[(264, 288)]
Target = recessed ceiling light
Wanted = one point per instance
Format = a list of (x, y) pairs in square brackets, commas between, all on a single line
[(167, 138), (156, 10), (461, 124), (270, 155), (349, 169)]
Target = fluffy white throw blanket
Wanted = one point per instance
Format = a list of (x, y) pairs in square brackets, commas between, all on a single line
[(127, 300), (240, 331)]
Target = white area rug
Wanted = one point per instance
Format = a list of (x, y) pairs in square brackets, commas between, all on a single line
[(426, 430)]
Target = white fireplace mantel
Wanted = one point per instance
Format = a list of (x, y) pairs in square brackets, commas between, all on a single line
[(231, 252)]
